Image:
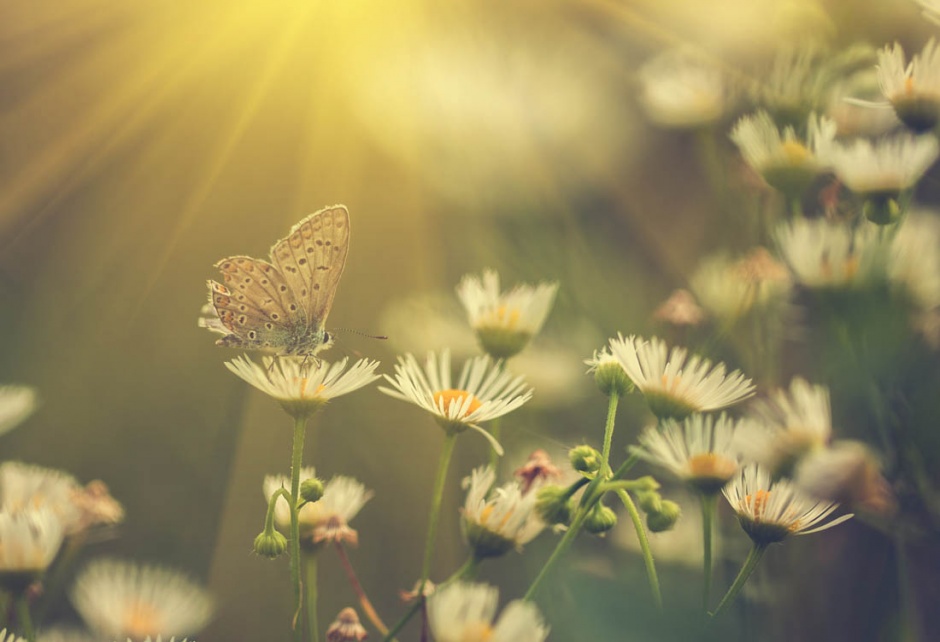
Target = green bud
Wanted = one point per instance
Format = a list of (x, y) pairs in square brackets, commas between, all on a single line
[(600, 520), (311, 490), (585, 459), (665, 519), (650, 502), (270, 544), (553, 505), (645, 484), (610, 376)]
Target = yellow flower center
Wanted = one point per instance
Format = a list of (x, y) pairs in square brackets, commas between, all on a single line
[(849, 268), (711, 465), (503, 317), (142, 620), (303, 389), (447, 397), (477, 632), (485, 516), (671, 383), (909, 85), (795, 153), (757, 502)]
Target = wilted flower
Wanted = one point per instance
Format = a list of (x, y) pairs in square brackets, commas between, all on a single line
[(118, 598), (679, 309), (463, 612), (537, 470), (346, 627)]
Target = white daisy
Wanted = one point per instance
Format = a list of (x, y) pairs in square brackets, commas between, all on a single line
[(29, 541), (913, 88), (505, 322), (676, 386), (463, 612), (325, 520), (729, 288), (495, 523), (930, 9), (118, 598), (825, 255), (701, 451), (25, 486), (795, 85), (788, 162), (770, 512), (914, 264), (303, 386), (484, 391), (882, 168), (16, 404), (788, 425), (682, 92)]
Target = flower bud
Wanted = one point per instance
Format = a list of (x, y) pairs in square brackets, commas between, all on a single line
[(553, 504), (665, 518), (600, 520), (311, 490), (270, 544), (585, 459), (609, 374), (649, 502)]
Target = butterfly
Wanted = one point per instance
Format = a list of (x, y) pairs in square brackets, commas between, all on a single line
[(281, 306)]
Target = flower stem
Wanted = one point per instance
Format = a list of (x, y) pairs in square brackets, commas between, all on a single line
[(435, 514), (644, 546), (404, 619), (709, 505), (495, 429), (364, 601), (757, 552), (563, 544), (310, 582), (297, 452), (609, 431), (23, 618)]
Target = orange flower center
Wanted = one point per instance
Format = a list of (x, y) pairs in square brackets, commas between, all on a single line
[(477, 632), (446, 398), (303, 389), (503, 316), (142, 620), (711, 465), (795, 153), (757, 502)]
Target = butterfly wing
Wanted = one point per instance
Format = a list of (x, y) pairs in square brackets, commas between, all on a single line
[(255, 306), (312, 258)]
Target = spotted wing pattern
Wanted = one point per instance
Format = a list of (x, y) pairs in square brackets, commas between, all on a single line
[(255, 305), (311, 258)]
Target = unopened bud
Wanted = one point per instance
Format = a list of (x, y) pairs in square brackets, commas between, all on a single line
[(665, 519), (585, 459), (270, 544), (649, 501), (600, 520), (311, 490), (553, 504)]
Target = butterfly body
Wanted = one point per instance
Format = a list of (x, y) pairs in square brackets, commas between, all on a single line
[(281, 306)]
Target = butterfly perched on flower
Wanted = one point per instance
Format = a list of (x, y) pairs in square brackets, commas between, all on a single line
[(281, 306)]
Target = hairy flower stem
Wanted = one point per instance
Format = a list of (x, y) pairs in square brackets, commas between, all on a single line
[(310, 582), (495, 429), (435, 514), (644, 545), (364, 601), (709, 506), (757, 552), (300, 427), (591, 496)]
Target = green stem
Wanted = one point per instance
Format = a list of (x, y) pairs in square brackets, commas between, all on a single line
[(609, 431), (495, 429), (419, 601), (709, 505), (565, 542), (5, 599), (23, 618), (644, 546), (467, 571), (297, 452), (753, 558), (435, 514), (310, 584), (796, 208), (625, 467)]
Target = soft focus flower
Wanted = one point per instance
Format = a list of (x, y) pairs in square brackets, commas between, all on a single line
[(484, 391), (16, 404), (930, 9), (914, 264), (505, 322), (59, 634), (701, 451), (442, 323), (537, 470), (787, 161), (682, 92), (770, 512), (847, 472), (729, 289), (303, 386), (346, 627), (10, 637), (824, 255), (913, 88), (787, 425), (29, 541), (676, 386), (795, 85), (325, 520), (463, 612), (118, 598), (25, 486), (96, 505), (495, 523), (679, 309)]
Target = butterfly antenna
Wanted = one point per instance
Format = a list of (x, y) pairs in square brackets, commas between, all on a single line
[(362, 334)]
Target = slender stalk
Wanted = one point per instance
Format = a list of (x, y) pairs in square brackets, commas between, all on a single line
[(52, 585), (23, 618), (5, 599), (796, 208), (753, 558), (495, 429), (297, 452), (364, 601), (565, 542), (435, 514), (644, 546), (310, 581), (404, 619), (709, 505), (609, 431)]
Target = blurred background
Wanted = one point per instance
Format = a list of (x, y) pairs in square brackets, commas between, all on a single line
[(142, 141)]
